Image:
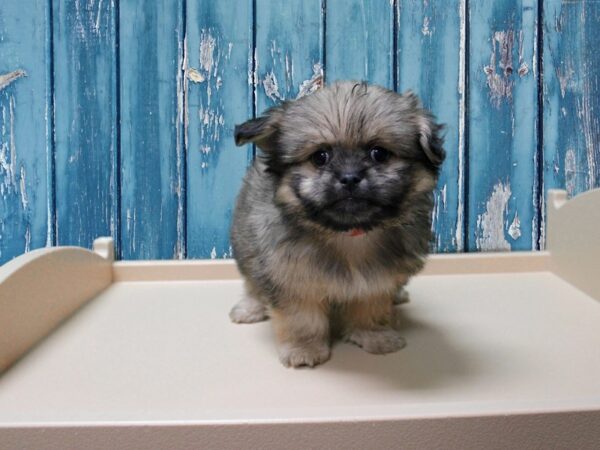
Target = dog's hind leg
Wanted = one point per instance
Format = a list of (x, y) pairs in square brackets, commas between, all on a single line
[(249, 309), (370, 325)]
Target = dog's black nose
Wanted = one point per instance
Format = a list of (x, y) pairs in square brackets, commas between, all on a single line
[(350, 179)]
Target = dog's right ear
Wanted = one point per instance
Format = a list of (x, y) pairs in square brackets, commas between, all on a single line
[(260, 131), (251, 130)]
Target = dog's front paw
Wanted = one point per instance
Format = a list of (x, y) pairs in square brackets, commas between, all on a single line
[(401, 297), (379, 342), (304, 355), (248, 310)]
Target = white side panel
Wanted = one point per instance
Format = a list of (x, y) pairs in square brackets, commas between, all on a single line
[(574, 238), (42, 288)]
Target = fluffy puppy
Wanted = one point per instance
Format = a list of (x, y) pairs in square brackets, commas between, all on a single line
[(334, 216)]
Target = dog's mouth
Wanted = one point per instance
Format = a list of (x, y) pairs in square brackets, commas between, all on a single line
[(351, 201), (348, 214)]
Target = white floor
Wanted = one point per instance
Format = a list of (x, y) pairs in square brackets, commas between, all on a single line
[(477, 344)]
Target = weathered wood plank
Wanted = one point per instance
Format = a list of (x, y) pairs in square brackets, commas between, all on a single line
[(359, 41), (25, 128), (500, 164), (431, 56), (86, 120), (220, 94), (289, 60), (151, 52), (503, 190), (571, 95)]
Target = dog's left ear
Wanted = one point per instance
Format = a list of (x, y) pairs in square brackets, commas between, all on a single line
[(261, 131), (431, 139)]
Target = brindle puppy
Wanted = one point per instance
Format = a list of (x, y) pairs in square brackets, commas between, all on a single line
[(334, 216)]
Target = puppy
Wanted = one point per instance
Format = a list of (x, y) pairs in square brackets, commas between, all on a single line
[(334, 217)]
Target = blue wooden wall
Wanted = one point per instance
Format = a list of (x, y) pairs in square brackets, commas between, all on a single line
[(116, 118)]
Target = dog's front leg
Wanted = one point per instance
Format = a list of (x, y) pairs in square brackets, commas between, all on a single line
[(302, 332)]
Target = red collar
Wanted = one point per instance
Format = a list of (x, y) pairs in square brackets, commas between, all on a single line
[(356, 232)]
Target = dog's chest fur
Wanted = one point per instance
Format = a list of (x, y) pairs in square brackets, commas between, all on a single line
[(340, 268), (286, 262)]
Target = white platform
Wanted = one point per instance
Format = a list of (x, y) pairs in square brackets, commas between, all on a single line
[(502, 352), (147, 351)]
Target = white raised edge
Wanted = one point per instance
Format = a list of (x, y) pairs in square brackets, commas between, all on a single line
[(184, 270), (448, 264), (569, 429), (42, 288), (573, 238)]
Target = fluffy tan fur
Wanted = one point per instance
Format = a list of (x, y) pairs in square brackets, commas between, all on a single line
[(291, 233)]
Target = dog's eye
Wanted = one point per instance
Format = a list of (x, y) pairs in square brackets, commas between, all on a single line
[(320, 158), (379, 154)]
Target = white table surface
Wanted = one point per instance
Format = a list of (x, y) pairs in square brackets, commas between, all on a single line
[(166, 351)]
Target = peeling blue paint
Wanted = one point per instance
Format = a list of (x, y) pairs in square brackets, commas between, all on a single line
[(116, 118)]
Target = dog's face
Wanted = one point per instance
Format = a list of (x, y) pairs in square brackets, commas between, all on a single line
[(348, 156)]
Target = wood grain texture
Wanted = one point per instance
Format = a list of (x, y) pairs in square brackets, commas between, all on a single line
[(151, 52), (289, 59), (219, 95), (86, 120), (431, 54), (571, 95), (502, 114), (25, 128), (359, 41), (116, 118)]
